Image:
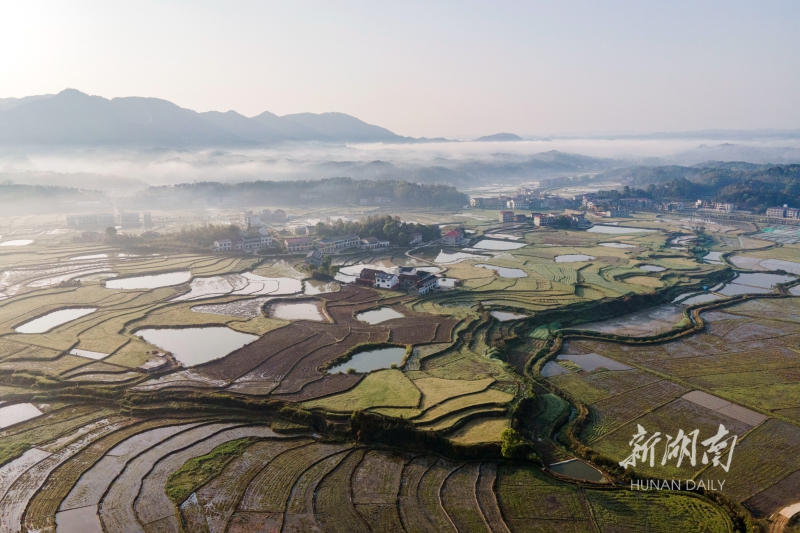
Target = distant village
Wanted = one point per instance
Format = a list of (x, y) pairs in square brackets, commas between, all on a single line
[(594, 204)]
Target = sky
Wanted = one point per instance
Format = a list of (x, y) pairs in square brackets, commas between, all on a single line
[(456, 69)]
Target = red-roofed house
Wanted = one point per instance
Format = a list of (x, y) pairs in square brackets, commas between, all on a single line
[(454, 237)]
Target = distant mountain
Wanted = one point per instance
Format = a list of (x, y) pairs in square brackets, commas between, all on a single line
[(500, 137), (8, 103), (72, 118), (289, 129), (345, 128)]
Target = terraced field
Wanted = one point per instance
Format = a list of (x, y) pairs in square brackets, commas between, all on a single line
[(124, 435)]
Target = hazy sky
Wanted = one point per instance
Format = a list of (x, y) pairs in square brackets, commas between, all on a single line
[(436, 68)]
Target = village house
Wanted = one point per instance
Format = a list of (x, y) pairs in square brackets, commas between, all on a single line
[(314, 258), (367, 277), (454, 237), (506, 216), (386, 280), (371, 243), (279, 215), (543, 219), (297, 244), (341, 242), (520, 218), (248, 218), (96, 220), (415, 281), (427, 282), (223, 245), (416, 238), (254, 243)]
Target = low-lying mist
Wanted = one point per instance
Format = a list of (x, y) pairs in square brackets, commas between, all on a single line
[(460, 164)]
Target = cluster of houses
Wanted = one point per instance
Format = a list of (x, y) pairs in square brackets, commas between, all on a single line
[(257, 218), (524, 198), (415, 281), (575, 217)]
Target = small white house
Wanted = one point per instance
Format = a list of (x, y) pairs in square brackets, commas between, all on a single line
[(385, 280)]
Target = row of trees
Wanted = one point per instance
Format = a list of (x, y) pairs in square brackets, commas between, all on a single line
[(749, 186), (333, 191), (387, 228)]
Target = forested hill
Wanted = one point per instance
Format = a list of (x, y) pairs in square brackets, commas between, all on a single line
[(332, 191), (749, 186)]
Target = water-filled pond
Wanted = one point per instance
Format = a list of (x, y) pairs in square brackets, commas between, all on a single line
[(19, 412), (313, 286), (154, 281), (553, 369), (371, 360), (652, 268), (17, 242), (578, 470), (489, 244), (445, 258), (641, 323), (766, 281), (601, 228), (296, 311), (505, 316), (376, 316), (700, 298), (193, 346), (504, 272), (714, 258), (53, 319), (616, 245), (573, 258)]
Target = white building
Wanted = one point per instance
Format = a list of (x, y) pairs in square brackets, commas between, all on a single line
[(372, 243), (248, 218), (298, 244), (385, 280), (453, 237), (782, 212), (224, 245), (340, 242)]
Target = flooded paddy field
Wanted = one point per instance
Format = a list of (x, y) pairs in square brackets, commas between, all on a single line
[(640, 323), (98, 466)]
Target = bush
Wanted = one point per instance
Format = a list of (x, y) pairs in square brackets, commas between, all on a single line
[(513, 446)]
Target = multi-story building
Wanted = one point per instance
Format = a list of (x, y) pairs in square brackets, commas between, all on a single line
[(148, 219), (367, 277), (93, 220), (488, 203), (254, 243), (520, 218), (279, 215), (386, 280), (340, 242), (782, 212), (294, 245), (518, 203), (249, 218), (415, 281), (454, 237), (371, 243), (544, 219), (223, 245), (506, 216), (129, 220)]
